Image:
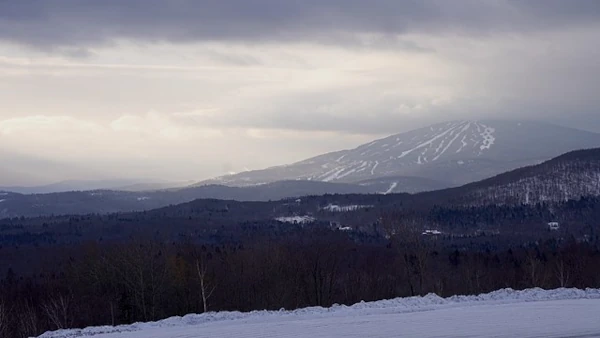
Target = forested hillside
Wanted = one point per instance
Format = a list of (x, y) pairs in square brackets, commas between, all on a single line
[(566, 177)]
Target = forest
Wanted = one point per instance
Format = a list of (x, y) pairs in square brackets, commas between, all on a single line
[(144, 280), (210, 255)]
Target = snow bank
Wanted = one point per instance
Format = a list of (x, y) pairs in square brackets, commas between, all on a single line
[(392, 306)]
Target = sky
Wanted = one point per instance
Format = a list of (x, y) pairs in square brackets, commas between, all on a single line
[(191, 89)]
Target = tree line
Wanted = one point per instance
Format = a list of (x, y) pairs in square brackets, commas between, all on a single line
[(145, 280)]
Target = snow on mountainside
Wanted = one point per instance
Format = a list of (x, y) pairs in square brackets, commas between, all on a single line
[(454, 153), (409, 184)]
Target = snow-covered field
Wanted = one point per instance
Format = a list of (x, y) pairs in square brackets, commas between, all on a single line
[(504, 313)]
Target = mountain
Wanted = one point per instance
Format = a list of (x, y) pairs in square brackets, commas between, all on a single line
[(141, 186), (408, 184), (496, 204), (89, 185), (499, 202), (568, 177), (108, 201), (451, 153)]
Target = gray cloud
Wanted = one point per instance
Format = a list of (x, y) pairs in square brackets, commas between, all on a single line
[(218, 78), (52, 24)]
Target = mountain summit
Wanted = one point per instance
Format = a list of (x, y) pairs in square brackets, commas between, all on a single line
[(453, 153)]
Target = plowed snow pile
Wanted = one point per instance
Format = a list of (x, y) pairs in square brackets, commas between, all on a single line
[(502, 313)]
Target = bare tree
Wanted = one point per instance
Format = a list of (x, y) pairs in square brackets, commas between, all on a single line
[(142, 270), (58, 311), (206, 288), (3, 320), (417, 266), (28, 321), (406, 236), (562, 271), (534, 269)]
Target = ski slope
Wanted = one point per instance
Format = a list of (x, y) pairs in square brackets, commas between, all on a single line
[(503, 313)]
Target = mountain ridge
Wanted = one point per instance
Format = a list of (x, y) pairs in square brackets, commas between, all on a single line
[(573, 175), (456, 152), (580, 169)]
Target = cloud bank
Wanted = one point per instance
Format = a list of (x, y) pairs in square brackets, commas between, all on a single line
[(190, 89)]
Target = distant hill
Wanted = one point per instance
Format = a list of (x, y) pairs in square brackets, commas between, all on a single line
[(570, 176), (567, 186), (107, 201), (89, 185)]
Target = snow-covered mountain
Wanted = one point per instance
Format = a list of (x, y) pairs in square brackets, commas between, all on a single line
[(568, 177), (453, 153)]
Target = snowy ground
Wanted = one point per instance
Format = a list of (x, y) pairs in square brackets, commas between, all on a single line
[(504, 313)]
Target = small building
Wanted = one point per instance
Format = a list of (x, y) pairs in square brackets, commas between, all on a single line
[(431, 232), (338, 226), (553, 226)]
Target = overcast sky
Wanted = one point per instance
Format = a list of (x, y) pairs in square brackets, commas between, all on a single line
[(189, 89)]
